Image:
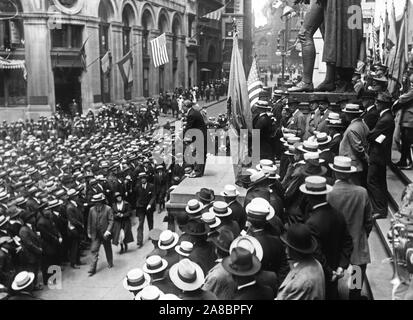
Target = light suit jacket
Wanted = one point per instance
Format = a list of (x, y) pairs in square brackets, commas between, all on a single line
[(305, 281)]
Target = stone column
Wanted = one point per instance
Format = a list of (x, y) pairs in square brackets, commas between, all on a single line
[(137, 93), (169, 81), (91, 82), (153, 72), (116, 47), (182, 62), (40, 81)]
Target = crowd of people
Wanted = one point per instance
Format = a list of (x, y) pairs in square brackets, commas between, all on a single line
[(69, 185)]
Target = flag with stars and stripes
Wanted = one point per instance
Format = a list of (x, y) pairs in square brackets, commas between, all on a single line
[(215, 15), (159, 51), (255, 86)]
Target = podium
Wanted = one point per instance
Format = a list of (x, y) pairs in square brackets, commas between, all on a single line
[(219, 172)]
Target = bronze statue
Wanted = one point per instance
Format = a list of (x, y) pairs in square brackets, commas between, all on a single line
[(341, 24)]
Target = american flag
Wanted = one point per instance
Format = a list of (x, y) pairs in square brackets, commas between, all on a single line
[(255, 86), (215, 15), (159, 51)]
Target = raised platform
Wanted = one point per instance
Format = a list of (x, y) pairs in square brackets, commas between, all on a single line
[(219, 172), (331, 96)]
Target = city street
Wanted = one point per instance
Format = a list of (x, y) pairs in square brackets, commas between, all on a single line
[(106, 284)]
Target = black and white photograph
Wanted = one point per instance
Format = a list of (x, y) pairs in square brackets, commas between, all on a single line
[(224, 151)]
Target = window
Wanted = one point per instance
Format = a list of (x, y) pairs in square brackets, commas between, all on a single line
[(145, 43), (11, 34), (175, 47), (126, 39), (229, 29), (146, 82), (69, 36), (230, 7)]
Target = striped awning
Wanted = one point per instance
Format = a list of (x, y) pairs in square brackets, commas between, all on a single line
[(6, 64)]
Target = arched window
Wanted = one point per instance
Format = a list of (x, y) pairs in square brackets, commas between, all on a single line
[(11, 25)]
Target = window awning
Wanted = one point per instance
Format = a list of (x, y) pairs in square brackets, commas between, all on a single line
[(6, 64)]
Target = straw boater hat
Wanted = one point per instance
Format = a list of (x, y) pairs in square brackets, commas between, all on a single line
[(321, 138), (155, 264), (299, 238), (168, 240), (230, 192), (258, 208), (249, 243), (343, 165), (53, 204), (313, 158), (257, 177), (98, 198), (334, 120), (22, 281), (184, 249), (241, 262), (352, 109), (136, 280), (271, 172), (187, 275), (264, 163), (309, 146), (211, 219), (221, 209), (149, 293), (194, 207), (285, 137), (316, 185), (4, 220)]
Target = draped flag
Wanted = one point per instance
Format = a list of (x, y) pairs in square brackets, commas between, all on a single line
[(255, 86), (398, 62), (238, 92), (126, 68), (106, 63), (215, 15), (82, 55), (159, 51)]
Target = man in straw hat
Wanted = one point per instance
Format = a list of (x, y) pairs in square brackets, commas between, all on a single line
[(244, 266), (167, 242), (354, 203), (230, 195), (306, 280), (136, 280), (100, 226), (354, 143), (259, 212), (329, 227), (189, 278), (157, 268)]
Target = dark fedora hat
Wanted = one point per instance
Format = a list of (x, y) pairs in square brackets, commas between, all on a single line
[(196, 228), (242, 262), (299, 238), (206, 195), (223, 240)]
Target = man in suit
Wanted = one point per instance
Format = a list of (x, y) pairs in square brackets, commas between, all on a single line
[(298, 121), (371, 116), (75, 227), (230, 195), (195, 124), (274, 258), (100, 226), (354, 203), (329, 228), (354, 143), (31, 253), (145, 205), (380, 139), (261, 120), (244, 266), (218, 280), (317, 119), (306, 279)]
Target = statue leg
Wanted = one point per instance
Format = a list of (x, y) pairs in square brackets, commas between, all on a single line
[(312, 22), (329, 83)]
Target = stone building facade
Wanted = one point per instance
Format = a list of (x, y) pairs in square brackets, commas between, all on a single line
[(48, 36)]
